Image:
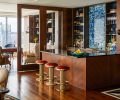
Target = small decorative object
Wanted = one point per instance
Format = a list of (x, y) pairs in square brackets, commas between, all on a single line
[(81, 14), (27, 31), (112, 10), (78, 53), (35, 39), (77, 14)]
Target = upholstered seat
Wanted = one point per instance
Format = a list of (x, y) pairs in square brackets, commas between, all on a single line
[(4, 59), (41, 61), (32, 57), (51, 65), (3, 82), (62, 68), (3, 77)]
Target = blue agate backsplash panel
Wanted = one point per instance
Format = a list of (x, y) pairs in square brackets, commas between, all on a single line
[(97, 19)]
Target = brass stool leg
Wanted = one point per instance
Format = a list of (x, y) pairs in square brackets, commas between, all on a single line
[(51, 76), (62, 80), (41, 74)]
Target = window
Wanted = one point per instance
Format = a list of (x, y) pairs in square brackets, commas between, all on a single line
[(8, 30)]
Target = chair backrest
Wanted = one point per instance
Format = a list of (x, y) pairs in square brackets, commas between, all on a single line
[(3, 77), (9, 45)]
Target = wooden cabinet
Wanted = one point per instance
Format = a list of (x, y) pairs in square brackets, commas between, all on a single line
[(33, 28)]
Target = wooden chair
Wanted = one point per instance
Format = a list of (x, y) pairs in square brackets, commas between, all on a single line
[(10, 46), (32, 57), (3, 82), (4, 59)]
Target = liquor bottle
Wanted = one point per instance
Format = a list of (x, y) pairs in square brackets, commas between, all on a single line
[(77, 13)]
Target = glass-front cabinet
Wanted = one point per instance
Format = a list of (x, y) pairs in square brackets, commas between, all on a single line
[(95, 27)]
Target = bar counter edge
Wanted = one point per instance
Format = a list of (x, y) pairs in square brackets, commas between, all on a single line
[(88, 73)]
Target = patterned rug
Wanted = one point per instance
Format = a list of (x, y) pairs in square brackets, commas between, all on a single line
[(8, 97), (114, 93)]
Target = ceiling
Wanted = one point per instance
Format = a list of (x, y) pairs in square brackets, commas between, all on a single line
[(11, 5)]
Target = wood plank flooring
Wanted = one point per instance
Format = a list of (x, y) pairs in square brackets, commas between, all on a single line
[(23, 85)]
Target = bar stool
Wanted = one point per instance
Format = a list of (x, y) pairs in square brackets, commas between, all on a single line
[(41, 70), (51, 67), (62, 70)]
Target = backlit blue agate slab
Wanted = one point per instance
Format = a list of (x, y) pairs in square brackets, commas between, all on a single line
[(97, 19)]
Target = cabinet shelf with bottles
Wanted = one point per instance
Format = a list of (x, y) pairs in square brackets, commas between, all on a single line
[(33, 28), (78, 27), (111, 23), (51, 27)]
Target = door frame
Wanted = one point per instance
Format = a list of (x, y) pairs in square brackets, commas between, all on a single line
[(42, 27)]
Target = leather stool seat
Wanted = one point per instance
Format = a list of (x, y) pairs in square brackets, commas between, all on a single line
[(41, 61), (62, 68), (51, 65)]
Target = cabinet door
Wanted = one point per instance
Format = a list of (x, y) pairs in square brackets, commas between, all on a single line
[(118, 25)]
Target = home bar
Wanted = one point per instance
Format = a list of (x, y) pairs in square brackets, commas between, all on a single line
[(62, 52)]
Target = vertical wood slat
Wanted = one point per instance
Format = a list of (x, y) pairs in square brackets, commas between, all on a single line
[(118, 25), (43, 34), (19, 37)]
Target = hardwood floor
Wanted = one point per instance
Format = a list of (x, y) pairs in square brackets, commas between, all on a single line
[(24, 86)]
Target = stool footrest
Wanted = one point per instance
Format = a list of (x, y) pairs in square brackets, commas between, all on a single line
[(67, 88), (55, 77), (37, 79), (45, 74), (58, 82), (50, 84)]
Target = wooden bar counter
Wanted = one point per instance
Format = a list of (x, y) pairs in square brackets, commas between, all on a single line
[(94, 71)]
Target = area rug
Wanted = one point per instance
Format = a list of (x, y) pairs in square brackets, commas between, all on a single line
[(114, 93), (8, 97)]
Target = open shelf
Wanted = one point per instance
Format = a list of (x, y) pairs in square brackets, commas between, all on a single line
[(34, 28), (78, 27), (51, 27), (110, 23)]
